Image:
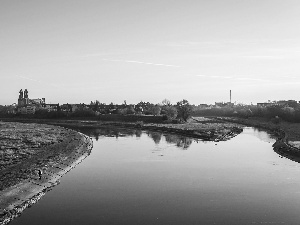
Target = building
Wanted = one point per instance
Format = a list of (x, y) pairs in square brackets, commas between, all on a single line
[(30, 109), (224, 104), (282, 103), (23, 99), (37, 101), (50, 107), (26, 105), (264, 104)]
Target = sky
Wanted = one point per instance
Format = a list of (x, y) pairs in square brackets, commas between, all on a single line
[(78, 51)]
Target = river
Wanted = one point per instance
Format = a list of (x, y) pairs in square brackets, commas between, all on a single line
[(142, 177)]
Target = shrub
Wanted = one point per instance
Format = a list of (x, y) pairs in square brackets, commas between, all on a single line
[(165, 117), (83, 113), (139, 124), (276, 120)]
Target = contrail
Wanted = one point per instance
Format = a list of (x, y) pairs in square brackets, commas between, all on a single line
[(27, 78), (236, 78), (146, 63)]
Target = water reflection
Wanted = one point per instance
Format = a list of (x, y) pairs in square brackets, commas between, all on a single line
[(156, 136), (111, 132), (138, 133), (240, 181), (263, 135), (179, 141)]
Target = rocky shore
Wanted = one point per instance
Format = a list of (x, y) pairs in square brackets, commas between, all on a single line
[(33, 158)]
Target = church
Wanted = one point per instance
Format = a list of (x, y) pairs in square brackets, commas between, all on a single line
[(29, 106), (24, 100)]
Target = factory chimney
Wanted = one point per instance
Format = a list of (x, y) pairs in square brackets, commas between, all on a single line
[(230, 96)]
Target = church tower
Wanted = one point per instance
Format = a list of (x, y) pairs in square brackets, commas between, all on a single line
[(26, 100), (23, 98), (20, 99)]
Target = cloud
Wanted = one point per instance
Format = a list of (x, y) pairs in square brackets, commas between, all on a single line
[(139, 62)]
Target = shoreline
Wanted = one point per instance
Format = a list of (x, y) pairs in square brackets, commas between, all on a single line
[(16, 198), (288, 135), (206, 130)]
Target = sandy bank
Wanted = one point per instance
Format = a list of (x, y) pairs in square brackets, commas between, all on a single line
[(31, 168)]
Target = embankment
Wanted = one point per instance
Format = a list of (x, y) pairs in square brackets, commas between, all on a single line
[(203, 129), (33, 159), (208, 130), (288, 134)]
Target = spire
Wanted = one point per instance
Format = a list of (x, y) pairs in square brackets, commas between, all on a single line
[(25, 93), (21, 94)]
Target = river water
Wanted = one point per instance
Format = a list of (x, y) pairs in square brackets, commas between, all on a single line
[(135, 177)]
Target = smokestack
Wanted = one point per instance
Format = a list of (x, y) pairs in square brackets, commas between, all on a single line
[(230, 96)]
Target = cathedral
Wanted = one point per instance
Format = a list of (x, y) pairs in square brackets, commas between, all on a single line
[(23, 99)]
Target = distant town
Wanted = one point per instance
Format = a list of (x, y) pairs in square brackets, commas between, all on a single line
[(285, 109)]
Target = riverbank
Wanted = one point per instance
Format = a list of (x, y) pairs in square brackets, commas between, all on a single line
[(199, 128), (291, 130), (33, 159), (287, 133)]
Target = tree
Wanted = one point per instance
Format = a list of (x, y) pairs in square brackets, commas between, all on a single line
[(184, 109), (166, 102), (122, 111), (130, 110), (95, 106), (156, 110), (171, 112)]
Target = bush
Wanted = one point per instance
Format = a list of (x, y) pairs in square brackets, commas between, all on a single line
[(83, 113), (139, 124), (165, 117), (276, 120), (224, 111)]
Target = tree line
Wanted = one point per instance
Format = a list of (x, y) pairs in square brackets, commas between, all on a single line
[(181, 111), (274, 112)]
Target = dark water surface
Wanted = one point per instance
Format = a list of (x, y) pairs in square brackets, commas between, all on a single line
[(134, 177)]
